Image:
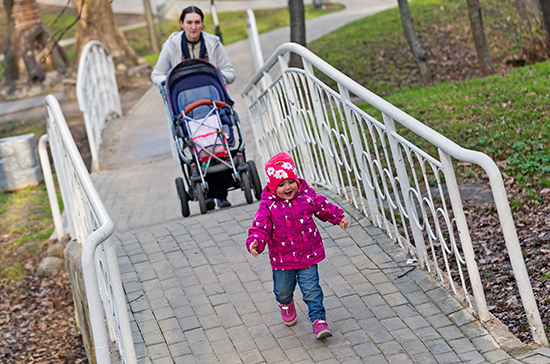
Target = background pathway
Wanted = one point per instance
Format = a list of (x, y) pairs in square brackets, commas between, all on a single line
[(197, 296)]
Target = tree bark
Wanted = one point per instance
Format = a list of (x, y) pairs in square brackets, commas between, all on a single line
[(533, 38), (32, 51), (297, 28), (529, 13), (419, 53), (98, 23), (151, 26), (545, 8), (478, 33)]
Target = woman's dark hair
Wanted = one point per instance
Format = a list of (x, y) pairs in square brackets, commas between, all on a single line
[(189, 10)]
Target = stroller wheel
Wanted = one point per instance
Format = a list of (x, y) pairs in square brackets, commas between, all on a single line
[(245, 184), (255, 178), (183, 198), (199, 191)]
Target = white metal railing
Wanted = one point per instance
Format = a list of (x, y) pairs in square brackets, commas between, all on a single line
[(91, 226), (254, 39), (409, 193), (97, 94)]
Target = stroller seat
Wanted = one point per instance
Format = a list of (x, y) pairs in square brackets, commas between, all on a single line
[(185, 96), (206, 136)]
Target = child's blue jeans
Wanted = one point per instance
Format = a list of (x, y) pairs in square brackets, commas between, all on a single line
[(284, 283)]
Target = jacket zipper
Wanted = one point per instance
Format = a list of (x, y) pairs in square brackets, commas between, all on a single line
[(298, 232)]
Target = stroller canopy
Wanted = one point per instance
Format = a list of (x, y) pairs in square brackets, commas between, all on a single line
[(192, 80)]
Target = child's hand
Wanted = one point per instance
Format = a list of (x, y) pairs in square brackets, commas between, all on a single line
[(344, 223), (253, 250)]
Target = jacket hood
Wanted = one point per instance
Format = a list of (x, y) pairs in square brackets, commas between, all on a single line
[(174, 40)]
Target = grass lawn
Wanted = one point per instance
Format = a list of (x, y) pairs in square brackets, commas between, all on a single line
[(505, 116), (26, 224)]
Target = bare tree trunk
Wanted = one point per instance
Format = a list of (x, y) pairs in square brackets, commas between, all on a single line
[(151, 26), (545, 8), (98, 23), (529, 13), (419, 53), (297, 28), (31, 52), (534, 39), (478, 33)]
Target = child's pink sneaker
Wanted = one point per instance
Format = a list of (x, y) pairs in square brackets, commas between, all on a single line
[(288, 313), (321, 330)]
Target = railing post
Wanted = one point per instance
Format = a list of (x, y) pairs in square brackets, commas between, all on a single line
[(321, 123), (57, 153), (119, 302), (50, 186), (405, 188), (254, 39), (515, 254), (464, 235), (95, 306)]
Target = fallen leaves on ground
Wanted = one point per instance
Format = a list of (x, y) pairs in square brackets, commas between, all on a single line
[(532, 221), (37, 322)]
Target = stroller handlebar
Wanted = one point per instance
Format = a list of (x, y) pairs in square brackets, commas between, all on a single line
[(203, 102)]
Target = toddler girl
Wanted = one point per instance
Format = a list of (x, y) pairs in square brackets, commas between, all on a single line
[(284, 222)]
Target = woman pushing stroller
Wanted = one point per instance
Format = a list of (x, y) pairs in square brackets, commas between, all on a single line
[(192, 42)]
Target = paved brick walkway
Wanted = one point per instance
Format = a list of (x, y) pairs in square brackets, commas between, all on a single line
[(197, 296)]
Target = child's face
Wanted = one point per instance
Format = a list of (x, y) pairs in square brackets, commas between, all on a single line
[(287, 189)]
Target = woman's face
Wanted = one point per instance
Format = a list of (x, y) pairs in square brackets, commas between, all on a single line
[(192, 25)]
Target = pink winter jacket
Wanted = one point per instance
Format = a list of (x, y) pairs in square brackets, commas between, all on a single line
[(288, 229)]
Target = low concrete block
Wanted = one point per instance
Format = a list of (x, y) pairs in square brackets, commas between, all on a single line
[(50, 266), (19, 165)]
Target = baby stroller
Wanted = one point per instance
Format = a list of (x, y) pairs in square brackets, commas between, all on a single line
[(203, 124)]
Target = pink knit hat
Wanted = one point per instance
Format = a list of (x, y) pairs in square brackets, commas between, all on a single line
[(278, 168)]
